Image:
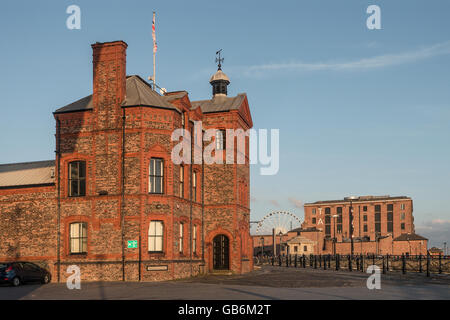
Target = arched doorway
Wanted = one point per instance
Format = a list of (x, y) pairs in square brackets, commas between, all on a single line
[(221, 249)]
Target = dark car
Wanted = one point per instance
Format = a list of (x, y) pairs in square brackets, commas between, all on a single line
[(17, 273)]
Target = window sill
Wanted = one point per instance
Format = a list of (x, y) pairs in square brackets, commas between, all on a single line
[(82, 254)]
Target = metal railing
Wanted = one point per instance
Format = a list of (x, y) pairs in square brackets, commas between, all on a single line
[(387, 263)]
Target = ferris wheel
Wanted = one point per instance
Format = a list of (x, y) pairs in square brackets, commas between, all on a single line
[(281, 221)]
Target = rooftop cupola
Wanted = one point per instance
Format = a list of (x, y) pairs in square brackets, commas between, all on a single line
[(219, 80)]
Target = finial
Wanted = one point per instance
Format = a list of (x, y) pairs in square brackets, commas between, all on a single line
[(219, 60)]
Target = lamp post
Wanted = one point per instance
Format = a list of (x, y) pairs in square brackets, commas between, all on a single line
[(334, 235), (350, 221), (262, 247), (280, 234)]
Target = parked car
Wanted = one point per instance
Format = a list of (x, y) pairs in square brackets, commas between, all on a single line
[(17, 273)]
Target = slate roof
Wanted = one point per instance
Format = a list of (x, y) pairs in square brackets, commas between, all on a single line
[(300, 239), (138, 93), (219, 103), (27, 173), (409, 237), (359, 199)]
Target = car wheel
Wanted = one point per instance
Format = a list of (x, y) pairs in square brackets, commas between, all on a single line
[(16, 282), (46, 279)]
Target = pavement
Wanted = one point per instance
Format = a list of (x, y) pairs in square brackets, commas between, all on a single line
[(272, 283)]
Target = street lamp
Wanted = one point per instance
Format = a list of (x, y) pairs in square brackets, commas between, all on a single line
[(280, 234), (350, 216), (262, 246), (334, 235)]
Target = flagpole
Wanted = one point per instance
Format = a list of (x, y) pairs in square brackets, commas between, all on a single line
[(154, 56)]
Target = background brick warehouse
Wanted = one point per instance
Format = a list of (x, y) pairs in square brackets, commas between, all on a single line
[(98, 191)]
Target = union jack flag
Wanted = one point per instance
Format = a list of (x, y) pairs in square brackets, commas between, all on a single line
[(155, 46)]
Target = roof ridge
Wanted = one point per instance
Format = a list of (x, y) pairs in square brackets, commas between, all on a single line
[(26, 162)]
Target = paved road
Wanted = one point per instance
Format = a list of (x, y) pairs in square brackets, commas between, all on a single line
[(267, 283)]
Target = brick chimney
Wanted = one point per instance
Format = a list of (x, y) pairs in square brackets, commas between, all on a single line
[(109, 76)]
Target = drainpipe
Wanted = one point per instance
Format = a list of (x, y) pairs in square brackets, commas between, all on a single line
[(190, 198), (58, 155), (123, 196), (203, 205)]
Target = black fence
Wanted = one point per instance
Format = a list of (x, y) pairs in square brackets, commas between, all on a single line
[(405, 263)]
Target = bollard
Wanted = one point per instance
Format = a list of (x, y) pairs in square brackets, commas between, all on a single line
[(329, 261), (337, 262), (315, 262), (295, 261), (273, 260), (311, 260), (420, 263), (362, 263), (403, 263), (349, 263), (357, 263), (387, 263), (428, 264), (304, 261), (287, 261), (324, 262), (440, 263), (320, 261)]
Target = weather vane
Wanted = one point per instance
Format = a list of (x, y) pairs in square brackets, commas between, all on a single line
[(219, 60)]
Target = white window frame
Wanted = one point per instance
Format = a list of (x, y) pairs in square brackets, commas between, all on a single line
[(153, 234)]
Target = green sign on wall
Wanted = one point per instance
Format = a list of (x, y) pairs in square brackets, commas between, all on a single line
[(132, 244)]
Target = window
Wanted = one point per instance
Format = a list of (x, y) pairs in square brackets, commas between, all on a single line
[(328, 222), (156, 176), (378, 218), (365, 228), (305, 248), (181, 182), (155, 236), (364, 208), (390, 218), (314, 211), (220, 139), (194, 186), (402, 216), (194, 239), (77, 178), (403, 226), (313, 220), (78, 237), (365, 218), (295, 249), (181, 237), (339, 220), (403, 206)]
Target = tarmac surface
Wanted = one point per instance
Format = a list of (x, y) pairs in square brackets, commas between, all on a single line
[(273, 283)]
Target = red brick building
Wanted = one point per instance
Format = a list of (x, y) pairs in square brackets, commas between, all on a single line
[(380, 225), (113, 202)]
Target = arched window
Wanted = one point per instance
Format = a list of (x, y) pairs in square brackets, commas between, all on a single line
[(77, 179), (155, 236), (78, 237)]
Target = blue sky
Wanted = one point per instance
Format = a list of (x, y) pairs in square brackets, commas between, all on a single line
[(359, 111)]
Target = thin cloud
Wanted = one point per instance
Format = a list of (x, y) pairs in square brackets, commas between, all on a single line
[(275, 203), (380, 61), (297, 203), (437, 231)]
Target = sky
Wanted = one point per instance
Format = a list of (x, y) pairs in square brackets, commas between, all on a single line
[(360, 112)]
